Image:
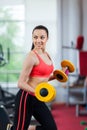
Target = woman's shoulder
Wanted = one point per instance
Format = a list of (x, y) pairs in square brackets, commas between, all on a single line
[(31, 55), (30, 59)]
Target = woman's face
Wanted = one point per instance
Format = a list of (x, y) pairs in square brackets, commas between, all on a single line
[(39, 38)]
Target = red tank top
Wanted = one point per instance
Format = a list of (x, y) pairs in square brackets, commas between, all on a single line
[(42, 69)]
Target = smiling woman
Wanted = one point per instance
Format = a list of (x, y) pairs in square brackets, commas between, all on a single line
[(40, 37), (37, 68)]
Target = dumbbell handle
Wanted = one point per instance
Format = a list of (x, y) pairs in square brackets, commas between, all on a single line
[(67, 72)]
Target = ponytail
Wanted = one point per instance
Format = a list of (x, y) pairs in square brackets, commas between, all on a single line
[(32, 47)]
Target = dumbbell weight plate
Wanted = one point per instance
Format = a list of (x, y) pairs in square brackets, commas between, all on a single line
[(70, 65), (53, 95), (60, 75), (45, 92)]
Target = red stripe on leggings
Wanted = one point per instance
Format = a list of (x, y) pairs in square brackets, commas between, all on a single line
[(24, 111), (20, 111)]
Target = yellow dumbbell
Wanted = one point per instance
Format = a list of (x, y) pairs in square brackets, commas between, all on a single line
[(62, 75), (45, 92)]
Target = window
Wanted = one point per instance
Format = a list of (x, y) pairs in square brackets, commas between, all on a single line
[(12, 33)]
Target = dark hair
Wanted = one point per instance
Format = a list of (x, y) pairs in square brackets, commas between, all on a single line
[(40, 27)]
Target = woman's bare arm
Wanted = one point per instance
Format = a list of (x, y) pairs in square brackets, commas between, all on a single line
[(26, 70), (52, 77)]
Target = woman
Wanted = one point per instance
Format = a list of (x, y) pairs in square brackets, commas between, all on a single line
[(37, 68)]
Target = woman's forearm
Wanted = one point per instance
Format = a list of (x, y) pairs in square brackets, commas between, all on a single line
[(26, 87), (52, 77)]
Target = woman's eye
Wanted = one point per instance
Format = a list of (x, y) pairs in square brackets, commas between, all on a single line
[(42, 37), (35, 37)]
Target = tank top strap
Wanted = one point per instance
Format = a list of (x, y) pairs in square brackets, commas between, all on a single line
[(37, 55)]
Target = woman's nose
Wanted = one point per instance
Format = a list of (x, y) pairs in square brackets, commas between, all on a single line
[(38, 40)]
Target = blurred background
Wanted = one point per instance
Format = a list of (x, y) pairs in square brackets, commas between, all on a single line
[(66, 21)]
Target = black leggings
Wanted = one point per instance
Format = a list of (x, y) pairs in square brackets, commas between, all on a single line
[(27, 105)]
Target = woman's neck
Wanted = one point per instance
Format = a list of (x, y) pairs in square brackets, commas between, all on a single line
[(40, 51)]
